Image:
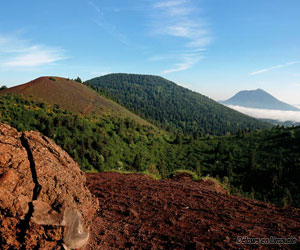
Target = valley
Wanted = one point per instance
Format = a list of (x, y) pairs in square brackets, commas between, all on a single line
[(122, 153), (261, 164)]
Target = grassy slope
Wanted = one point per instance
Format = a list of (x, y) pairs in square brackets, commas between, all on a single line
[(71, 96)]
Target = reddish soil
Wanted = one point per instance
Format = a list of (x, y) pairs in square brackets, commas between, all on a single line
[(71, 96), (137, 212), (90, 106)]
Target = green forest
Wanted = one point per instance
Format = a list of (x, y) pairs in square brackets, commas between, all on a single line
[(260, 164), (171, 106)]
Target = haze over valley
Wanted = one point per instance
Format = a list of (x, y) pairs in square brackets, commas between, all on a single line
[(260, 104)]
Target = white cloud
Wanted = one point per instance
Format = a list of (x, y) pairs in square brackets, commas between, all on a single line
[(269, 114), (18, 53), (187, 62), (178, 30), (166, 4), (274, 67), (180, 19), (35, 57), (180, 11)]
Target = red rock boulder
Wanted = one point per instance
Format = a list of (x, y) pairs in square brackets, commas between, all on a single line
[(44, 202)]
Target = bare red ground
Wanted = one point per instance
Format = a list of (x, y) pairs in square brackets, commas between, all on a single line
[(137, 212), (71, 96)]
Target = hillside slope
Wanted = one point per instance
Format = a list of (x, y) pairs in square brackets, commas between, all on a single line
[(171, 106), (258, 99), (263, 164), (96, 142), (71, 96)]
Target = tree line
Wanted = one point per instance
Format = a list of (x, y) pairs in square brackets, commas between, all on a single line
[(263, 164)]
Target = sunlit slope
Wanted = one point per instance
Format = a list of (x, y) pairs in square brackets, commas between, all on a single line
[(72, 96)]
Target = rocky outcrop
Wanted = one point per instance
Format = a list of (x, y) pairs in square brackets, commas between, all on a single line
[(44, 202)]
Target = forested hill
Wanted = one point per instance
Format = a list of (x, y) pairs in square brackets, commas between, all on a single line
[(168, 105), (262, 164)]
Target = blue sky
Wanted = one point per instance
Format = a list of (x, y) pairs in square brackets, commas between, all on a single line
[(215, 47)]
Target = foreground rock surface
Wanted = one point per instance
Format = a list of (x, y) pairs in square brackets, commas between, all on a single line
[(140, 213), (44, 203)]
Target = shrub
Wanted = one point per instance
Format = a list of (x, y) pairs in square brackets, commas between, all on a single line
[(194, 176), (78, 79)]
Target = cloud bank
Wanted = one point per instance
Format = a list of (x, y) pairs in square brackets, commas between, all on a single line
[(269, 114)]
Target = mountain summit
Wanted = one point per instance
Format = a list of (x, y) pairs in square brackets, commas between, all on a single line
[(258, 99)]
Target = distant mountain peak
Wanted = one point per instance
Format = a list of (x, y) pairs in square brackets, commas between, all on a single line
[(260, 99)]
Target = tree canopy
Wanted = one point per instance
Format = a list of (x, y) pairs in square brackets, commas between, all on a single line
[(171, 106), (263, 164)]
